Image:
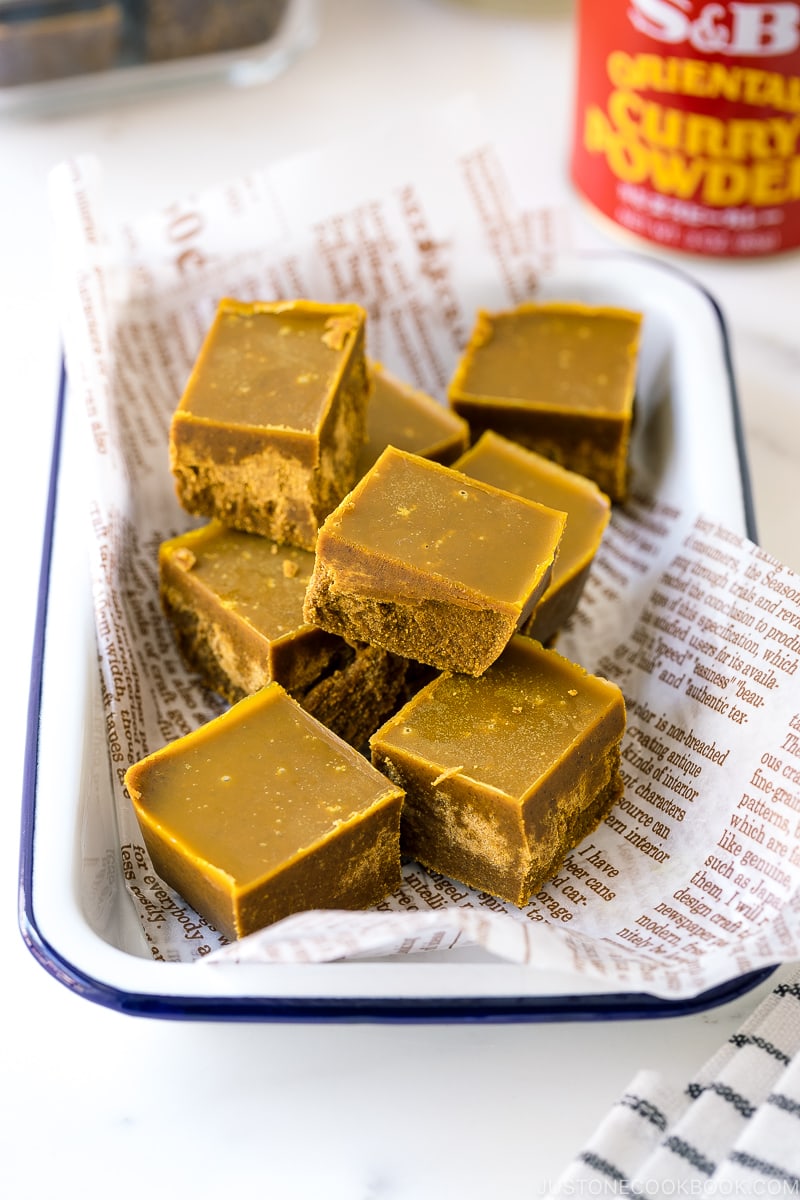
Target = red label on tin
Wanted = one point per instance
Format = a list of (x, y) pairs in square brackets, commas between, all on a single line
[(687, 122)]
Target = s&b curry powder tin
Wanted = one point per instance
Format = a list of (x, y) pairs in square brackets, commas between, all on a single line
[(687, 122)]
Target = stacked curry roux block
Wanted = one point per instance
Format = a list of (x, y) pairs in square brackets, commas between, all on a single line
[(377, 593)]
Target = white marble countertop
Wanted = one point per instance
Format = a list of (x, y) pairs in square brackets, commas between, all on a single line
[(100, 1104)]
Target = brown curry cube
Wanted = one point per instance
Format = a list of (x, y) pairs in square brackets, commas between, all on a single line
[(366, 685), (182, 28), (268, 431), (507, 465), (41, 42), (235, 604), (431, 565), (404, 416), (560, 379), (506, 773), (263, 812)]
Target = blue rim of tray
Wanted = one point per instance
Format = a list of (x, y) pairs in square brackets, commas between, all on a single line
[(500, 1009)]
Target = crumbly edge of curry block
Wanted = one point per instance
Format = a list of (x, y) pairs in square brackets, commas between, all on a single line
[(448, 636), (518, 869)]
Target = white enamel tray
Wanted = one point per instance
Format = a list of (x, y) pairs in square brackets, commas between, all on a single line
[(686, 404)]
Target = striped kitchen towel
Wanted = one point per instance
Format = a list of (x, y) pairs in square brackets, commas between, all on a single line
[(733, 1130)]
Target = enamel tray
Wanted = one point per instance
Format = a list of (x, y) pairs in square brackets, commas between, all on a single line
[(686, 403)]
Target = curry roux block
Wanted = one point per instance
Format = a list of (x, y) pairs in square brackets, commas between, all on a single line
[(431, 565), (182, 28), (267, 434), (364, 688), (403, 416), (506, 773), (264, 812), (507, 465), (560, 379), (235, 603), (40, 42)]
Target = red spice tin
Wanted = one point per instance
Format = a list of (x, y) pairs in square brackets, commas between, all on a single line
[(687, 122)]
